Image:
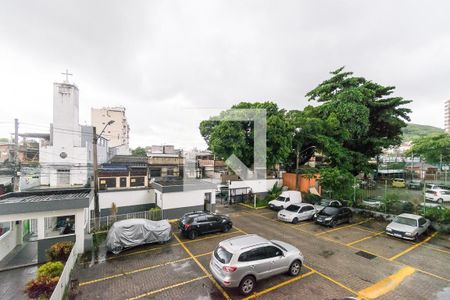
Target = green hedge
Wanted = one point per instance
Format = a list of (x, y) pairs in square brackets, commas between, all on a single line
[(438, 215)]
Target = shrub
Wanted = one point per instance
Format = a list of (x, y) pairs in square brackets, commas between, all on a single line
[(275, 191), (41, 287), (51, 269), (310, 198), (60, 251), (155, 213), (438, 215)]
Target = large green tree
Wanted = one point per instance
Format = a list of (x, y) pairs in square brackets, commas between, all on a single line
[(355, 119), (236, 137), (139, 151), (433, 148)]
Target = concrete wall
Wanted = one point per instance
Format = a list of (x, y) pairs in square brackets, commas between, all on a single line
[(10, 240), (175, 204), (129, 200), (257, 186)]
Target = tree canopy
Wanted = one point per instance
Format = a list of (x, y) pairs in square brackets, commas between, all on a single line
[(139, 151), (237, 137), (432, 148), (354, 119)]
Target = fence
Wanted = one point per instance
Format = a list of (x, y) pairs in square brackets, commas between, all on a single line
[(104, 223), (60, 288)]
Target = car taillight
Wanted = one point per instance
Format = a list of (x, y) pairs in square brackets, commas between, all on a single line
[(229, 268), (186, 226)]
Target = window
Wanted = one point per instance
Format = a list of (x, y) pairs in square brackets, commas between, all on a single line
[(107, 183), (56, 226), (422, 221), (170, 172), (252, 255), (137, 181), (308, 208), (222, 255), (202, 219), (123, 182), (5, 227), (212, 219), (272, 251)]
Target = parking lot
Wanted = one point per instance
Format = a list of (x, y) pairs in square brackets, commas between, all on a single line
[(351, 260)]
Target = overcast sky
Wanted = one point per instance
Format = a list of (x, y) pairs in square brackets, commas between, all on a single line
[(165, 61)]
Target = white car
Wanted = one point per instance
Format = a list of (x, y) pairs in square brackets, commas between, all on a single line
[(408, 226), (439, 196), (297, 212), (285, 199), (327, 202), (373, 202)]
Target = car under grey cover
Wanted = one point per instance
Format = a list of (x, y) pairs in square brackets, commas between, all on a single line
[(134, 232)]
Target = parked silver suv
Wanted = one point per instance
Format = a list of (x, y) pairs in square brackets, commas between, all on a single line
[(241, 261)]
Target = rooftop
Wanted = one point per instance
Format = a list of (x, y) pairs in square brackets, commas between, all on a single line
[(45, 200), (168, 186)]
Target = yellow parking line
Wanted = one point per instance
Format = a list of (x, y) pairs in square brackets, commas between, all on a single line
[(211, 237), (225, 294), (387, 284), (168, 287), (412, 247), (140, 270), (342, 227), (279, 285), (365, 238), (238, 229), (434, 275), (332, 280)]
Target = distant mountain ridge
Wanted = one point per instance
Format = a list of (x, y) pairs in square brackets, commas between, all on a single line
[(413, 131)]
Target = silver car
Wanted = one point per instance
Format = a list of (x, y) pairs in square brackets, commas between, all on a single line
[(297, 212), (408, 226), (241, 261)]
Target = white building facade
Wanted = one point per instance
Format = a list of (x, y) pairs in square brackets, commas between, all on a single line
[(118, 133), (67, 159)]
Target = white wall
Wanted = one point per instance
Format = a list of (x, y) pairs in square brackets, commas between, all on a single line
[(126, 198), (257, 186), (184, 199), (9, 241)]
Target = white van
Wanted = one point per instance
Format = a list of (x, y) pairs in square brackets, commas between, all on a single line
[(285, 199)]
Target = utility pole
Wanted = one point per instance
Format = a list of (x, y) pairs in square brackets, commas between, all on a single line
[(94, 162), (16, 155)]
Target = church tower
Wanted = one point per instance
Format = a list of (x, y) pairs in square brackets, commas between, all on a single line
[(66, 128)]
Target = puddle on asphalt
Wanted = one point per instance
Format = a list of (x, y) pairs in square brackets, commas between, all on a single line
[(444, 294), (326, 253)]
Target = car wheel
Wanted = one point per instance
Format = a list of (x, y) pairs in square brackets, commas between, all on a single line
[(193, 234), (295, 268), (350, 220), (226, 228), (117, 249), (247, 285), (295, 221), (440, 201), (416, 238), (333, 223)]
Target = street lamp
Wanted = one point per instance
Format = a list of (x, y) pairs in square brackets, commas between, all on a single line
[(95, 138)]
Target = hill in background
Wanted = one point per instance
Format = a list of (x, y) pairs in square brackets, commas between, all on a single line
[(414, 131)]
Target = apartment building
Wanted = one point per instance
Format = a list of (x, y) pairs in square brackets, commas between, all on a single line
[(117, 133), (165, 161)]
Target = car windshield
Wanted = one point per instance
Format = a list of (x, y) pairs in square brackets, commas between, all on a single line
[(329, 211), (222, 255), (281, 198), (293, 208), (406, 221)]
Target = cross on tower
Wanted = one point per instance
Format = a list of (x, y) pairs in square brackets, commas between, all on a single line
[(67, 75)]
